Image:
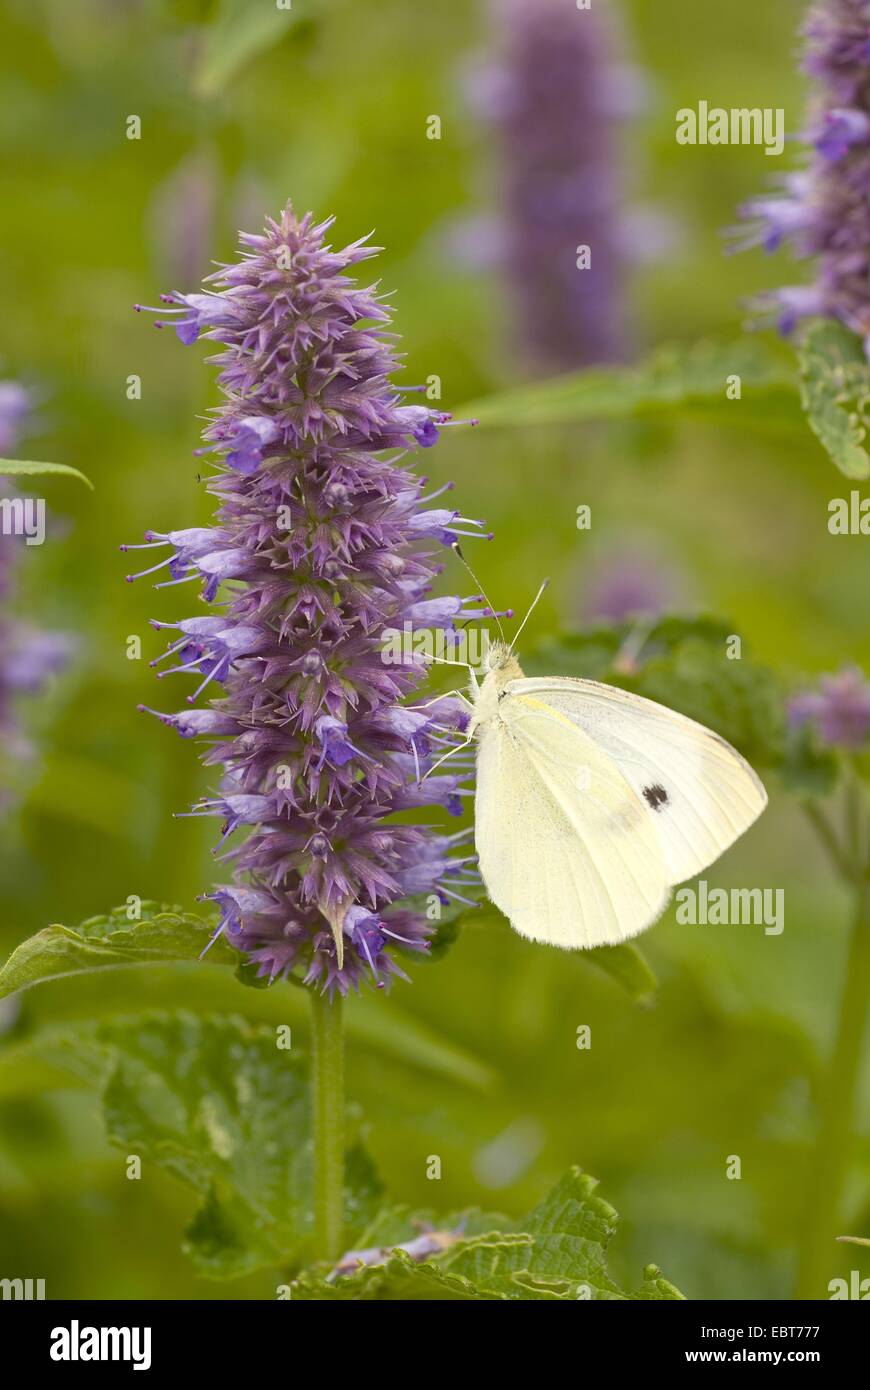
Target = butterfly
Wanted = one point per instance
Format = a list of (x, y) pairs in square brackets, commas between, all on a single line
[(592, 803)]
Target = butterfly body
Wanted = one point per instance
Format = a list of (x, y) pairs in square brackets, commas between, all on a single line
[(593, 803)]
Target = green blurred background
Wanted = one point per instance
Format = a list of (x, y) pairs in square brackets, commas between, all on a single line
[(476, 1060)]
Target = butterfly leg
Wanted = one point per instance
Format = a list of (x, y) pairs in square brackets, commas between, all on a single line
[(459, 694), (475, 686), (449, 754)]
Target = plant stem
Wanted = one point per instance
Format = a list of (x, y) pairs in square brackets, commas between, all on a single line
[(830, 1161), (327, 1103), (838, 856)]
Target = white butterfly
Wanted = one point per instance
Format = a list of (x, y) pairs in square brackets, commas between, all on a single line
[(592, 803)]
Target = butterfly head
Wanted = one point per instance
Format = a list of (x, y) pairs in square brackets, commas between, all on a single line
[(501, 663)]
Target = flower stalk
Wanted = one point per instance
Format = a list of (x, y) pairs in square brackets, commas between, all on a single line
[(829, 1163), (327, 1100)]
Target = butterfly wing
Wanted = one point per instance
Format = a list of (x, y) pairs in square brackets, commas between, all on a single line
[(697, 789), (567, 851)]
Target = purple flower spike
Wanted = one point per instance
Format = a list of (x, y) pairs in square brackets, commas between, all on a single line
[(822, 211), (323, 543)]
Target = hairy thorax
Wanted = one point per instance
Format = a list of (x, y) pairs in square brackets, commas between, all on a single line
[(502, 667)]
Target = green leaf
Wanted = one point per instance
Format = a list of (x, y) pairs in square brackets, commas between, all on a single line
[(241, 30), (161, 935), (26, 468), (219, 1105), (559, 1251), (835, 393), (628, 966), (216, 1103), (686, 377), (398, 1279)]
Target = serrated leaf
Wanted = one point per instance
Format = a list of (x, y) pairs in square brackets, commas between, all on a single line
[(835, 394), (693, 376), (216, 1103), (559, 1251), (570, 1232), (398, 1279), (29, 468), (161, 935), (240, 31)]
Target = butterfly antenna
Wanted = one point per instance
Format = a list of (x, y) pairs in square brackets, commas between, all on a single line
[(532, 608), (455, 548)]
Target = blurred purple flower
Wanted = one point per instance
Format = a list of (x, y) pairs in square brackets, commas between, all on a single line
[(629, 583), (839, 709), (28, 657), (16, 403), (823, 210), (32, 657), (555, 98), (327, 543), (182, 217)]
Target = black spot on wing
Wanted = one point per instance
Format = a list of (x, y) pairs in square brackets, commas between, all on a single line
[(656, 797)]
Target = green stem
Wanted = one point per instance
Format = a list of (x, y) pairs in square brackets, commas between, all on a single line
[(327, 1094), (830, 1161), (822, 826)]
